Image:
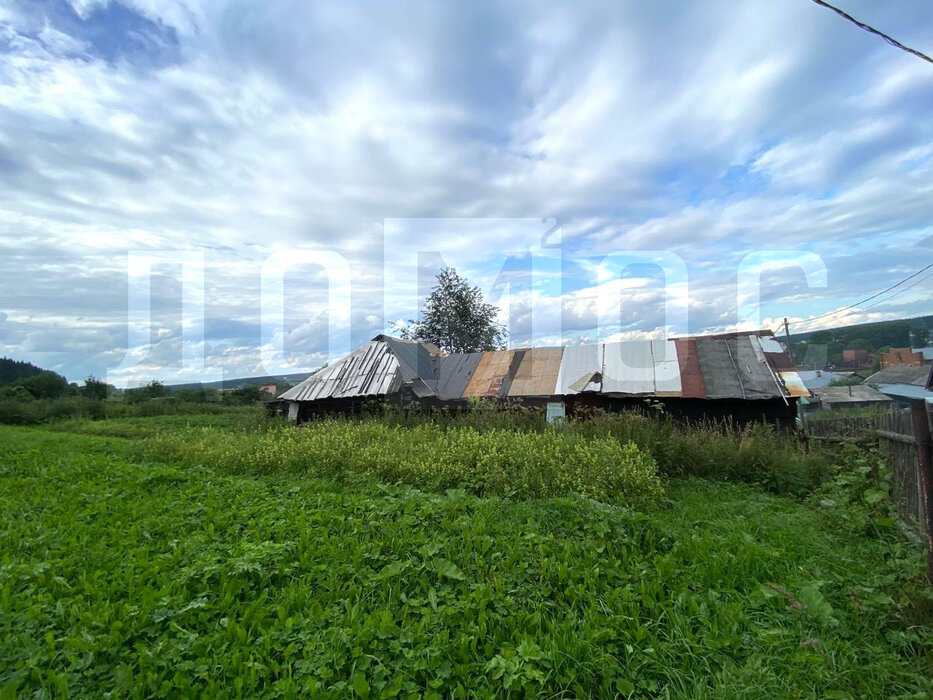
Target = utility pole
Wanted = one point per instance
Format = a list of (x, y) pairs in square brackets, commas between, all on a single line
[(790, 346)]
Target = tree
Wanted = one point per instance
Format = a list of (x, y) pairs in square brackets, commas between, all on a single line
[(455, 318), (95, 388), (244, 395), (153, 390), (921, 336), (45, 385)]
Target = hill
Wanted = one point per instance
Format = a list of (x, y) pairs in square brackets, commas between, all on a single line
[(243, 381), (13, 370), (907, 332)]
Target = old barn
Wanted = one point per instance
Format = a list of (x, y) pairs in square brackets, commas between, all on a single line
[(742, 376)]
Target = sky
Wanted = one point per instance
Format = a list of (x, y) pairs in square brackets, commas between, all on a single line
[(207, 189)]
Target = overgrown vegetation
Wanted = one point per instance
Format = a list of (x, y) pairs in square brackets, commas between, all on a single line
[(523, 464), (35, 411), (160, 578), (755, 453)]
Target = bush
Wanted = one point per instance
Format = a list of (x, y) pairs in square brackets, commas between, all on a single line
[(503, 462), (754, 453), (16, 411)]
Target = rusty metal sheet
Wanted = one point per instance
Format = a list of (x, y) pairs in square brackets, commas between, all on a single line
[(691, 376), (581, 369), (490, 373), (537, 372), (794, 384)]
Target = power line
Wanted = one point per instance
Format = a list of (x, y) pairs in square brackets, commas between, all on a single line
[(899, 291), (867, 28), (874, 296)]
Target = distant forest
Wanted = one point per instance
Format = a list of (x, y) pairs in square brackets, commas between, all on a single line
[(13, 370), (873, 337)]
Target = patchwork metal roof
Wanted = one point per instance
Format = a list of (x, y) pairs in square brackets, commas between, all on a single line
[(732, 366)]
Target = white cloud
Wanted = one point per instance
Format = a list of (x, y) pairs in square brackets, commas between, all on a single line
[(243, 129)]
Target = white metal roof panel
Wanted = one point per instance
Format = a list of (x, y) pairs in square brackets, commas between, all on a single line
[(666, 368), (578, 366), (628, 367), (641, 367)]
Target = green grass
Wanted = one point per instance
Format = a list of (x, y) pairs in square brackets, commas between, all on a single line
[(151, 578), (239, 418)]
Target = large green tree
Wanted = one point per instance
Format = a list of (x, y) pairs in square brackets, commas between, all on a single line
[(455, 317)]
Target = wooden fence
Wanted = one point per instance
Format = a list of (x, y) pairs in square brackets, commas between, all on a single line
[(903, 437), (898, 446), (845, 429)]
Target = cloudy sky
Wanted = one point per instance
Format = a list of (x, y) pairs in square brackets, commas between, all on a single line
[(266, 184)]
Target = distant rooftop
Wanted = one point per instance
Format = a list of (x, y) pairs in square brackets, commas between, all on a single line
[(917, 376)]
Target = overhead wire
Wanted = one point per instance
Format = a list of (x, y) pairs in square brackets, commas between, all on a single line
[(868, 28), (874, 296)]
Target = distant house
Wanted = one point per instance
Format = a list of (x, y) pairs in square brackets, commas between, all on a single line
[(834, 398), (855, 359), (269, 388), (926, 353), (904, 383), (740, 376), (901, 357), (819, 378)]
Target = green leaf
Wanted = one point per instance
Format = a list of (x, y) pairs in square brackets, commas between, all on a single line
[(390, 570), (360, 686), (447, 568), (814, 601)]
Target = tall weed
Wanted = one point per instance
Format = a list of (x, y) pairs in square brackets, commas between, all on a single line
[(523, 464)]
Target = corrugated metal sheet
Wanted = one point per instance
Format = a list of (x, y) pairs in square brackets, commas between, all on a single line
[(537, 373), (418, 365), (728, 366), (491, 372), (369, 371)]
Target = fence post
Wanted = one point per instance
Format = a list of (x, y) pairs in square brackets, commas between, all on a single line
[(921, 425)]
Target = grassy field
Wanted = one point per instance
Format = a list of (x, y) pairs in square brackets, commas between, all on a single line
[(137, 571)]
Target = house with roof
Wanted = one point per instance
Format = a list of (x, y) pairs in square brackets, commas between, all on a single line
[(904, 383), (738, 376), (836, 398), (925, 353)]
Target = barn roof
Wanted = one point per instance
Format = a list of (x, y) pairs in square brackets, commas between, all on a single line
[(729, 366)]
